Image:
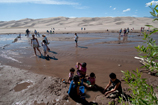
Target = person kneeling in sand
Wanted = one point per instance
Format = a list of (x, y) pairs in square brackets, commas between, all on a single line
[(81, 69), (91, 81), (116, 88), (45, 48), (71, 74), (75, 92)]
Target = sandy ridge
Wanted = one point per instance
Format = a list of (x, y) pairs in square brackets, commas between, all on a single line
[(64, 24)]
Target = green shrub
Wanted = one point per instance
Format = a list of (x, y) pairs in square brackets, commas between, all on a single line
[(149, 51), (142, 93)]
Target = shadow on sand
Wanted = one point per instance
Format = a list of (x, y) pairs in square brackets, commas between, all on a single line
[(83, 47), (125, 96), (48, 58), (53, 52)]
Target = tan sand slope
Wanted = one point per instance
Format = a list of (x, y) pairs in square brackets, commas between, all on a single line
[(74, 24)]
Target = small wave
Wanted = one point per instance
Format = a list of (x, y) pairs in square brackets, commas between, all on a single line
[(7, 57), (10, 52), (3, 47), (15, 40)]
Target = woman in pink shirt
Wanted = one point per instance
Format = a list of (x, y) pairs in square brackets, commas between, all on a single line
[(81, 69)]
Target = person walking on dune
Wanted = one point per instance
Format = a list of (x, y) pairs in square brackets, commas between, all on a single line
[(35, 44), (76, 39)]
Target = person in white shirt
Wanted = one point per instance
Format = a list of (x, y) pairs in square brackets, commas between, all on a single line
[(35, 44)]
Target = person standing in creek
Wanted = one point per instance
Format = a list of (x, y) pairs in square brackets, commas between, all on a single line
[(35, 44)]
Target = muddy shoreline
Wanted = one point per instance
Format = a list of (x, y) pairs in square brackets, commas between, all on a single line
[(102, 52)]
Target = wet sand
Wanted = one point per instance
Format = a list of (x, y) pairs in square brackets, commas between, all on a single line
[(102, 52)]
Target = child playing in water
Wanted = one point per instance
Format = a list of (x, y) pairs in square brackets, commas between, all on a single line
[(71, 74), (46, 40), (45, 47), (116, 85), (91, 81)]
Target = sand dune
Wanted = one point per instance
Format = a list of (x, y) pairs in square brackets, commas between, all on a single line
[(65, 24)]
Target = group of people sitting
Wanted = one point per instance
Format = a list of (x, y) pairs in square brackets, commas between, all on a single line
[(81, 80)]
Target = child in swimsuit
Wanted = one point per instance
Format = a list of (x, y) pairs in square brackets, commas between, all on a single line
[(45, 38), (45, 48), (71, 74), (91, 81)]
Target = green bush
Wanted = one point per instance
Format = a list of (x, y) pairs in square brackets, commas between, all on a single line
[(142, 93), (149, 51)]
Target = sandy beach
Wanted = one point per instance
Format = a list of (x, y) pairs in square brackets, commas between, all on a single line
[(36, 76), (32, 80), (72, 25)]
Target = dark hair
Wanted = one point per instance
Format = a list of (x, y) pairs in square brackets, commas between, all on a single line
[(72, 70), (76, 78), (92, 75), (112, 75), (84, 64), (44, 41)]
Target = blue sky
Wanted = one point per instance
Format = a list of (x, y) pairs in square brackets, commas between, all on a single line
[(20, 9)]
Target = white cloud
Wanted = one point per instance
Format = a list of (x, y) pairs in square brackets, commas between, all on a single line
[(80, 7), (114, 9), (57, 2), (152, 2), (110, 6), (128, 9)]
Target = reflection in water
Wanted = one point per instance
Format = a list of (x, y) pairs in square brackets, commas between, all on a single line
[(38, 61), (119, 39), (76, 52), (125, 38)]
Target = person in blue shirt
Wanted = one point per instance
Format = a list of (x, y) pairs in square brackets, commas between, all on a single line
[(74, 91)]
